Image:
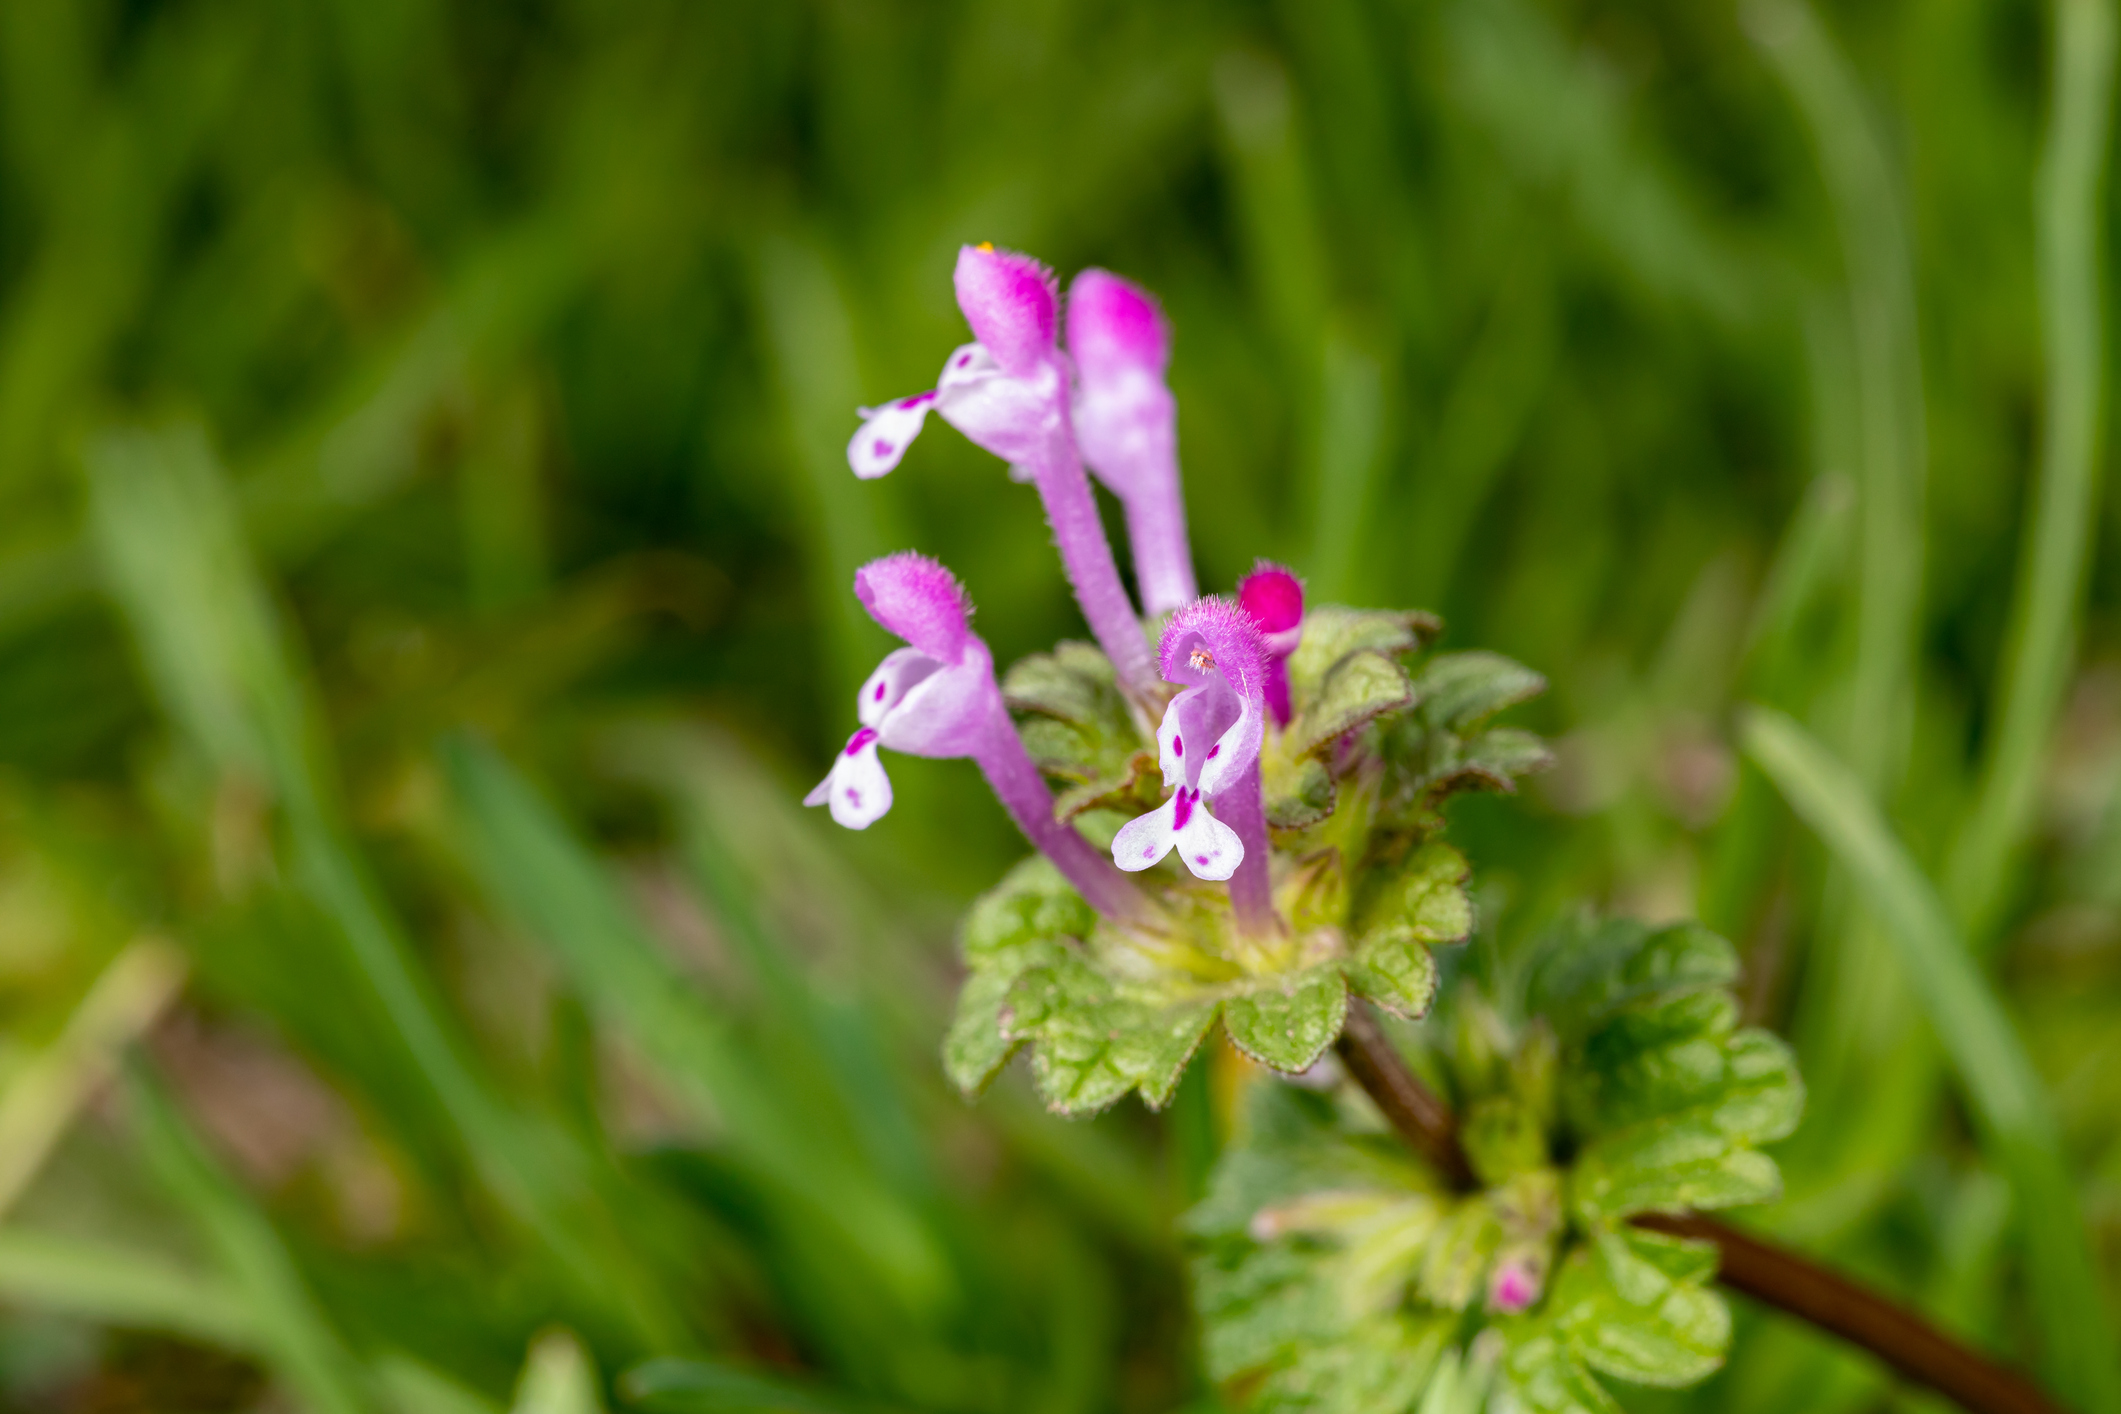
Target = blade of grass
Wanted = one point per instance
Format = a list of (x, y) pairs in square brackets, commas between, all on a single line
[(292, 1331), (122, 1003), (542, 877), (178, 566), (698, 1387), (116, 1285), (2008, 1101), (2069, 204)]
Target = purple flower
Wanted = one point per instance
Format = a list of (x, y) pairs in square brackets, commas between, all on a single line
[(1208, 742), (1274, 597), (934, 698), (1008, 392), (937, 697), (1126, 423)]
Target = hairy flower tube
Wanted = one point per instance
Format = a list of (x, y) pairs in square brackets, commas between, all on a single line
[(1274, 598), (1127, 425), (938, 697), (1208, 745), (1009, 393)]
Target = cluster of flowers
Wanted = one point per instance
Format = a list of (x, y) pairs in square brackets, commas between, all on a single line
[(1047, 410)]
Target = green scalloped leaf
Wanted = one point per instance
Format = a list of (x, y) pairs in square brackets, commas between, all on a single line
[(974, 1049), (1590, 971), (1032, 904), (1137, 787), (1459, 691), (1394, 969), (1358, 689), (1547, 1378), (1074, 683), (1287, 1022), (1459, 1254), (1332, 632), (1300, 791), (1668, 1167), (1076, 724), (1624, 1315), (1092, 1044), (1379, 1367), (1258, 1304), (1424, 894)]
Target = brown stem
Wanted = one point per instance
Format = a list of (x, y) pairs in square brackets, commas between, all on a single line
[(1774, 1276)]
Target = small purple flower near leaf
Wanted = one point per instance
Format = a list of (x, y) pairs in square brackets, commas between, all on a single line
[(1009, 393), (937, 697), (933, 698), (1208, 742)]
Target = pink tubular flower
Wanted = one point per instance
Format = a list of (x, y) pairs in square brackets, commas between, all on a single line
[(1274, 597), (938, 697), (1209, 745), (1127, 425), (1008, 392)]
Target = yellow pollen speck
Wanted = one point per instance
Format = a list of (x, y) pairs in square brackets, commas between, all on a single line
[(987, 246), (1202, 660)]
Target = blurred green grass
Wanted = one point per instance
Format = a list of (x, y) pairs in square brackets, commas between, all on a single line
[(424, 554)]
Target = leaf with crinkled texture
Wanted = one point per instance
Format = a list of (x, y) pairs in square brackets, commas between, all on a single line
[(1589, 972), (1288, 1022), (1423, 893), (1379, 1367), (1259, 1303), (1459, 691), (1091, 1043), (1332, 632), (1074, 683), (1459, 1254), (1624, 1315), (1668, 1167), (1547, 1378), (1020, 923), (1135, 788), (1394, 969), (1033, 903), (1075, 722), (1358, 689), (1300, 792)]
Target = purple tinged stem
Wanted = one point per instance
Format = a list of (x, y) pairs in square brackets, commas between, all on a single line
[(1243, 807), (1015, 778), (1086, 558)]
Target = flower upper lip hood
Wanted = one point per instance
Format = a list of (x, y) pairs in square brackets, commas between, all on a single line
[(1004, 391), (1009, 393), (937, 697), (1126, 423), (1123, 412)]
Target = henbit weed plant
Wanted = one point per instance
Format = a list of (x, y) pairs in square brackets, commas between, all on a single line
[(1609, 1095)]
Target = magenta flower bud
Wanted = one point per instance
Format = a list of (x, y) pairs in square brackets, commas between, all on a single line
[(1127, 425), (1513, 1285), (1208, 744), (1008, 392), (937, 697), (1274, 597)]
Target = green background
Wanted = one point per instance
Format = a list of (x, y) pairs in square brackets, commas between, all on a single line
[(425, 545)]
